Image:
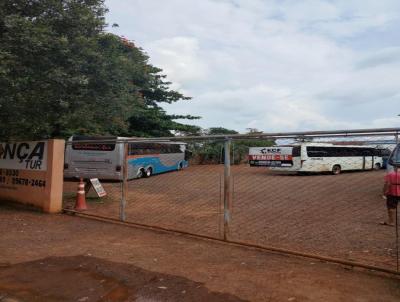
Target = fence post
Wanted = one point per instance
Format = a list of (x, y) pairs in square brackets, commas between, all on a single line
[(124, 183), (396, 136), (233, 154), (227, 186), (397, 240)]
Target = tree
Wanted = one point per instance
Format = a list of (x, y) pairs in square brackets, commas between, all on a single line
[(210, 152), (220, 130), (61, 73), (155, 122)]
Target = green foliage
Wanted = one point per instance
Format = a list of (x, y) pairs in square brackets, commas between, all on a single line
[(62, 74), (212, 152), (220, 130), (209, 152), (155, 122)]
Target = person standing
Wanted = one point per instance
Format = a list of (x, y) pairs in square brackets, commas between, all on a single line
[(391, 192)]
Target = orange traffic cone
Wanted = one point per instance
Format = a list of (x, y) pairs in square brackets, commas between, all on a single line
[(80, 203)]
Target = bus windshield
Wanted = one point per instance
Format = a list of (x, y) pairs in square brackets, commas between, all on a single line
[(395, 157), (93, 146)]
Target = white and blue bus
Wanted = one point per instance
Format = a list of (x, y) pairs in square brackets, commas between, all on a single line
[(104, 160), (316, 157)]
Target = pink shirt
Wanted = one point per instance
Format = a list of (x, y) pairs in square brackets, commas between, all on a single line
[(393, 180)]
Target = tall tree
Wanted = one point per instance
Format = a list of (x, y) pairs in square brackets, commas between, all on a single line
[(61, 73)]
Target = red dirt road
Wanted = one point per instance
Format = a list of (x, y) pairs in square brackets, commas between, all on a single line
[(98, 261), (83, 278)]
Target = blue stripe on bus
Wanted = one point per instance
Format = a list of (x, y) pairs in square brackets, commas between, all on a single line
[(156, 164)]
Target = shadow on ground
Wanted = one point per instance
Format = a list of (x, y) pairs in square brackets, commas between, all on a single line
[(83, 278)]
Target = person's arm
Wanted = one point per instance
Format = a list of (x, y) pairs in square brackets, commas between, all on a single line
[(385, 187)]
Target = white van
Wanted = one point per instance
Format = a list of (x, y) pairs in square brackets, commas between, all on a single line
[(316, 157)]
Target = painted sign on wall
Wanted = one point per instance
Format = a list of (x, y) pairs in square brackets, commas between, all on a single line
[(24, 156), (32, 173)]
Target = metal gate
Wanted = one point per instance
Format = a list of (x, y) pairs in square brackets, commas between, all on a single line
[(219, 196)]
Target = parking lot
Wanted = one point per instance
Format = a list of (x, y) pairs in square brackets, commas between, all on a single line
[(63, 258), (327, 215)]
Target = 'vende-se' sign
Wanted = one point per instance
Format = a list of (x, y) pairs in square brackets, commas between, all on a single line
[(23, 156)]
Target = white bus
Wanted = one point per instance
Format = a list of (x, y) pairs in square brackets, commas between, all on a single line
[(104, 160), (394, 159), (316, 157)]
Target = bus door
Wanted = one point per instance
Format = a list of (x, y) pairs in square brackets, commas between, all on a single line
[(368, 159)]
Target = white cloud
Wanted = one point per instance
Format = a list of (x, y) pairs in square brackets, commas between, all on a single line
[(340, 18), (179, 58), (385, 122), (389, 56), (273, 65)]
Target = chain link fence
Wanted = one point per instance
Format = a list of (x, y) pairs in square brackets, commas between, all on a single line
[(286, 196)]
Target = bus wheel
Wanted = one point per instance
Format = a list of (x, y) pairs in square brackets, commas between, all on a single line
[(148, 172), (336, 170), (377, 166), (140, 173)]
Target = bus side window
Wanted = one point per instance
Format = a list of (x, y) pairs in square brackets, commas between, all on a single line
[(366, 152), (332, 152), (134, 149), (188, 154), (176, 148), (130, 149), (354, 152), (318, 152), (164, 149), (171, 148), (155, 148)]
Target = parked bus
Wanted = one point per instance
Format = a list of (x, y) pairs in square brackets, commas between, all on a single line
[(104, 160), (394, 159), (316, 157), (384, 153)]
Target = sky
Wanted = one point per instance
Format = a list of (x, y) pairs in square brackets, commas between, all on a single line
[(273, 65)]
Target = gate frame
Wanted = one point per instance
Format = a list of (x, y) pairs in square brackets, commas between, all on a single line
[(227, 194)]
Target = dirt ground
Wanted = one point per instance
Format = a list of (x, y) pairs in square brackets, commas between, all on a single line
[(66, 258), (329, 215), (95, 279)]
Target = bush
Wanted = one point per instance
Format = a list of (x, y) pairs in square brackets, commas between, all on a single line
[(206, 153)]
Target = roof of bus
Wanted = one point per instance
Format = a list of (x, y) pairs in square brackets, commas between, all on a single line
[(88, 137), (108, 138), (326, 145)]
